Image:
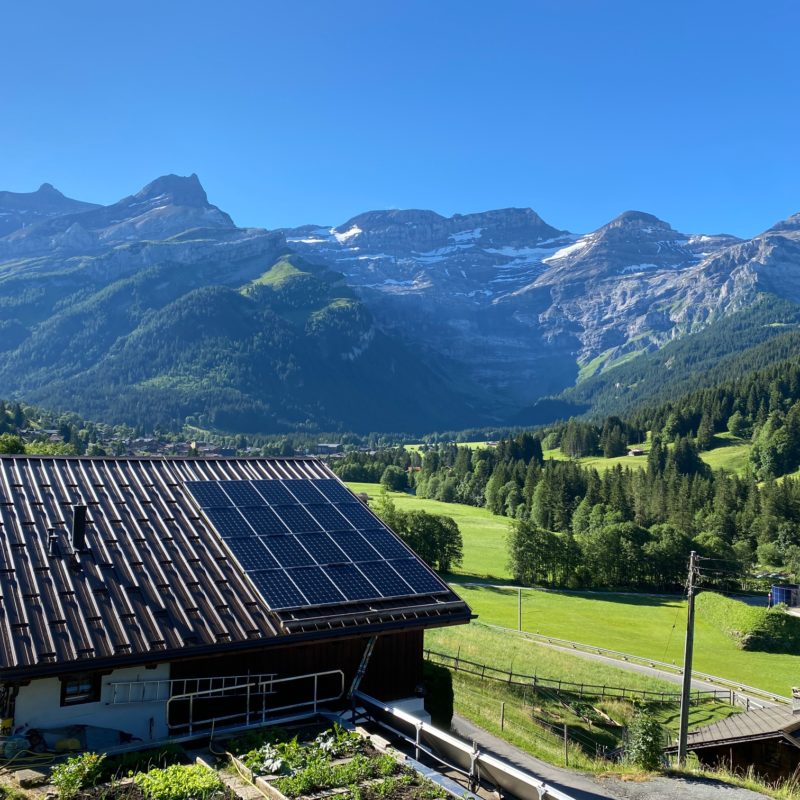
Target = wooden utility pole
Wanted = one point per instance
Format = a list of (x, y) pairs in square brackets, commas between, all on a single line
[(519, 609), (688, 652)]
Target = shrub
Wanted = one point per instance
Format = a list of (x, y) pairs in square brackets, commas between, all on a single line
[(751, 627), (76, 773), (178, 782), (645, 742)]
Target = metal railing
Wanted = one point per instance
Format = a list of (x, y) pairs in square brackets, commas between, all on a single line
[(456, 754), (148, 691), (252, 693)]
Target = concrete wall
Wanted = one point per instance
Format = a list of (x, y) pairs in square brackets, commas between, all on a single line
[(39, 706)]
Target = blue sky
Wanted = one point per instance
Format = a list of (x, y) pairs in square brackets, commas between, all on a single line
[(306, 111)]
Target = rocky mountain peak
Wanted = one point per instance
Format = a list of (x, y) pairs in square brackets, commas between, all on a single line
[(637, 220), (788, 225), (176, 190)]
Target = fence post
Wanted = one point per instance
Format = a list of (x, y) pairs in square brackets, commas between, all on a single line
[(502, 715), (566, 754)]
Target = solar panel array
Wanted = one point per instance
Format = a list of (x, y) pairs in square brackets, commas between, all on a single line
[(310, 542)]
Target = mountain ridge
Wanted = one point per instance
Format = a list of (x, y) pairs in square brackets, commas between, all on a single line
[(498, 308)]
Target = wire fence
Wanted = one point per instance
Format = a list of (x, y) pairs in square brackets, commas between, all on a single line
[(582, 690), (549, 735)]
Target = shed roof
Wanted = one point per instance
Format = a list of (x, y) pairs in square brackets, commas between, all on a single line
[(156, 581), (764, 723)]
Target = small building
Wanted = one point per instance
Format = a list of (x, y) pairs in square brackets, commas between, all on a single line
[(635, 451), (768, 740), (786, 593), (152, 598)]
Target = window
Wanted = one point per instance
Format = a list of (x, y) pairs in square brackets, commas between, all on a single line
[(83, 688)]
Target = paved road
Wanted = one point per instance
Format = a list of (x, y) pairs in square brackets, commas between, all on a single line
[(581, 787), (654, 672), (588, 787)]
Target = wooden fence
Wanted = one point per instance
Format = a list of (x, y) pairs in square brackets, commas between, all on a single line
[(536, 683)]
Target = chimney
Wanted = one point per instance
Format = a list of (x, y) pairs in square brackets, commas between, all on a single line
[(78, 528), (52, 542)]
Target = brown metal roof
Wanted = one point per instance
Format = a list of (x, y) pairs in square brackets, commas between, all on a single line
[(761, 723), (155, 581)]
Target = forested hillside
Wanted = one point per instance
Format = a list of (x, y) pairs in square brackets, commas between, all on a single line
[(764, 334), (633, 525)]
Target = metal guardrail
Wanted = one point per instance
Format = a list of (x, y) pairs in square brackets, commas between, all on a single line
[(736, 687), (254, 693), (535, 682), (457, 754)]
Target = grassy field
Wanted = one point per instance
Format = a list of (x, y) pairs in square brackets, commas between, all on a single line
[(479, 700), (484, 533), (729, 453), (638, 624), (472, 446)]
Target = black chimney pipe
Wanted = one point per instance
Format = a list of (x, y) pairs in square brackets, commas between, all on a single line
[(78, 528)]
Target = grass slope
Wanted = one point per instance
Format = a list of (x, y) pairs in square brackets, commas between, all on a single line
[(644, 625), (484, 533)]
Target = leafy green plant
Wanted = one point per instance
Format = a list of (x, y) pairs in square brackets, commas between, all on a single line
[(645, 742), (76, 773), (11, 793), (321, 774), (338, 741), (178, 782), (126, 764)]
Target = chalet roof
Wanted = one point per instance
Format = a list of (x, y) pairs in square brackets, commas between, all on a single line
[(155, 581), (764, 723)]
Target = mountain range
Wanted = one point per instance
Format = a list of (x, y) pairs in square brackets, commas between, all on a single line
[(158, 309)]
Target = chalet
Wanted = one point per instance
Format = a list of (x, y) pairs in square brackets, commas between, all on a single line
[(153, 598), (767, 739), (635, 451)]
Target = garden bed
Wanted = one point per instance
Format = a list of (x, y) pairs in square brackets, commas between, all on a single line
[(332, 762)]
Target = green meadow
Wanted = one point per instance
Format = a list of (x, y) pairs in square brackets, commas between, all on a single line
[(484, 534)]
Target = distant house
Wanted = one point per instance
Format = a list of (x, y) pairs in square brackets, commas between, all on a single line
[(147, 598), (767, 739), (635, 451)]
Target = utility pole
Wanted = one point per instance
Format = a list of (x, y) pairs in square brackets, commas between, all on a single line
[(687, 662), (519, 609)]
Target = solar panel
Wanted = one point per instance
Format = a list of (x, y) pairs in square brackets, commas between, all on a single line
[(242, 493), (334, 491), (229, 522), (208, 494), (415, 574), (357, 515), (350, 581), (322, 548), (329, 517), (264, 521), (251, 553), (309, 542), (385, 542), (316, 585), (274, 492), (355, 545), (277, 589), (304, 491), (296, 518), (288, 551), (384, 577)]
